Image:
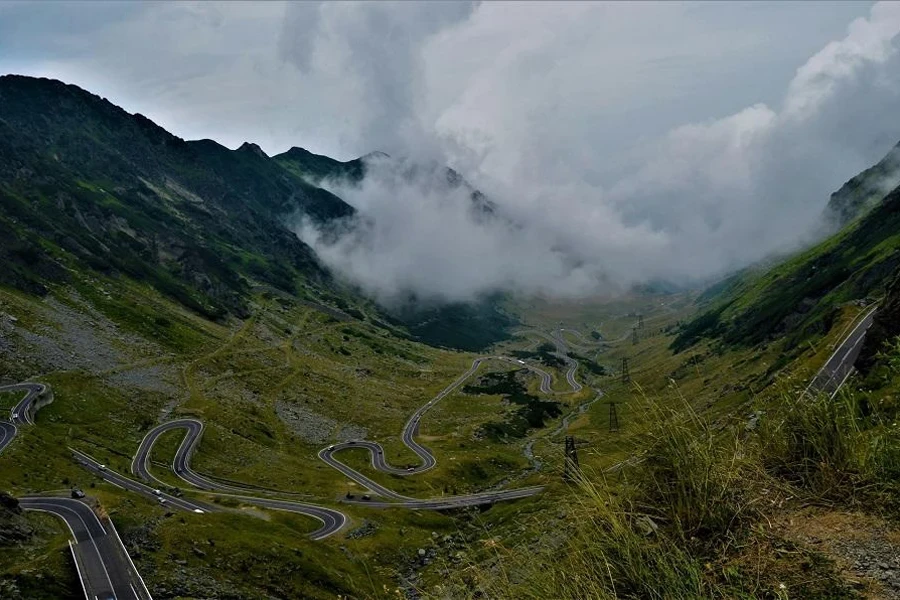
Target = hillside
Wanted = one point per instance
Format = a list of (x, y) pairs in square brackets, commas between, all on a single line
[(865, 190), (87, 186), (797, 299), (152, 280), (318, 168), (84, 184)]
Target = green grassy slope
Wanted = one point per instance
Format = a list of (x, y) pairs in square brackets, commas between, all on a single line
[(797, 299), (273, 390), (83, 184)]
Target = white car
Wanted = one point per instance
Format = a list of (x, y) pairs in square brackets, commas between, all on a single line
[(101, 467), (157, 493), (162, 500), (521, 362), (15, 415), (198, 511), (331, 447)]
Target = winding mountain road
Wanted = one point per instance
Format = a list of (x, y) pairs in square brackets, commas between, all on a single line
[(22, 413), (104, 568), (334, 520)]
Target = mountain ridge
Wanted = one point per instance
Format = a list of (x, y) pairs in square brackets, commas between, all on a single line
[(83, 180)]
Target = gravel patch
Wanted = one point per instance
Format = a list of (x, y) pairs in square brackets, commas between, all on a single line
[(315, 428), (161, 379), (866, 547), (70, 339)]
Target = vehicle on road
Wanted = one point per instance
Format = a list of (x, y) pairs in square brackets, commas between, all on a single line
[(366, 497), (157, 493), (101, 467), (521, 362), (15, 415), (331, 447), (198, 511), (410, 468), (77, 494), (162, 500)]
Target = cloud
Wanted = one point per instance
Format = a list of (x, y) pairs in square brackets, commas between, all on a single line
[(366, 57), (527, 127), (625, 141)]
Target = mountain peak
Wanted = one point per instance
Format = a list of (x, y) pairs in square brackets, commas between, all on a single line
[(377, 154), (254, 148), (295, 151)]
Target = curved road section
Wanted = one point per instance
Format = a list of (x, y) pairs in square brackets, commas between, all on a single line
[(428, 461), (7, 432), (23, 412), (332, 520), (104, 567)]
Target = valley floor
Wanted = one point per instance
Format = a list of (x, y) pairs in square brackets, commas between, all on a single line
[(275, 389)]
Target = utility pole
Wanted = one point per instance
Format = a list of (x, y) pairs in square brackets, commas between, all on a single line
[(634, 335), (626, 376), (571, 459), (613, 418), (641, 321)]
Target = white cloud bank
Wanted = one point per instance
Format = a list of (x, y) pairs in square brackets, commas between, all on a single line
[(519, 103), (627, 141)]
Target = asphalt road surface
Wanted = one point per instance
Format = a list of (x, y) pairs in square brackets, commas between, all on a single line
[(332, 520), (411, 430), (7, 433), (21, 413), (104, 567), (138, 487), (839, 366)]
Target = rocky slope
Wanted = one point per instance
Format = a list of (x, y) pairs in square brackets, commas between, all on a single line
[(865, 190), (14, 528), (86, 187), (84, 184)]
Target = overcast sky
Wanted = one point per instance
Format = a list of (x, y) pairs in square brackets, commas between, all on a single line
[(628, 141)]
